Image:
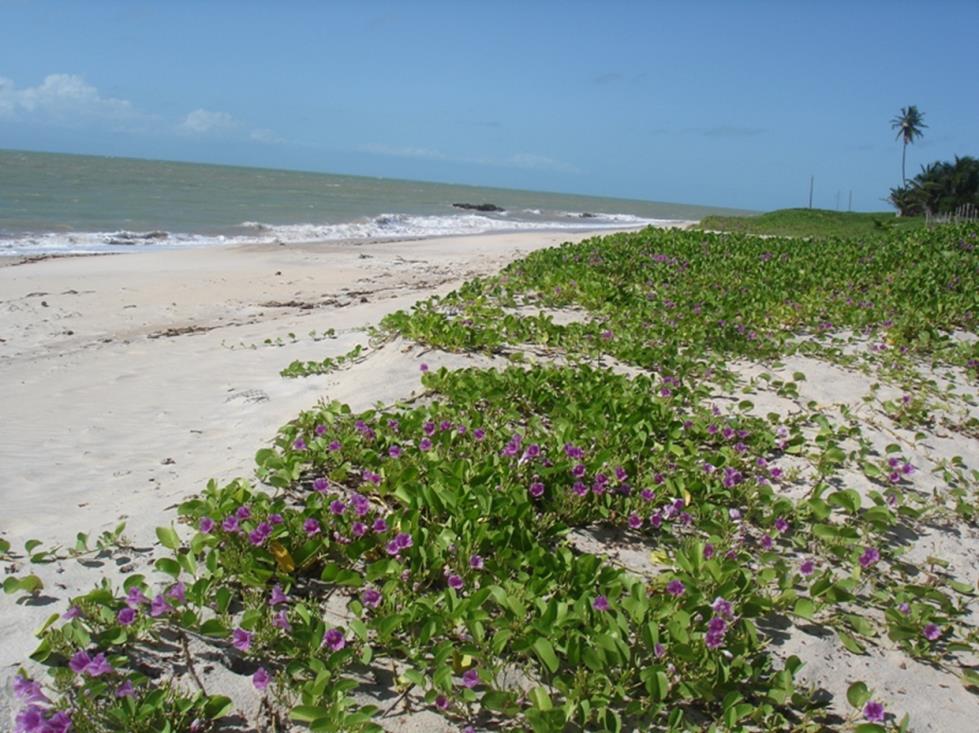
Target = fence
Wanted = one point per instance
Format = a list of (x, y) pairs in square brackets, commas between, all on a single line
[(965, 212)]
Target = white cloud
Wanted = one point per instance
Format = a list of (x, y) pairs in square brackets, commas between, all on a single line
[(203, 122), (62, 98), (261, 135)]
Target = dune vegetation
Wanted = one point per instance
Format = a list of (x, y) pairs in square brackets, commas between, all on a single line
[(626, 524)]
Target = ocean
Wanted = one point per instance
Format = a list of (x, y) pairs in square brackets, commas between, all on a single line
[(59, 204)]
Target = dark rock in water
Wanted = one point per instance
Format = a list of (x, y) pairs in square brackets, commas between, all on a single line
[(586, 215), (479, 207), (137, 237)]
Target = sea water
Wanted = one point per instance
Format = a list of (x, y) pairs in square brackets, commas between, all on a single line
[(54, 203)]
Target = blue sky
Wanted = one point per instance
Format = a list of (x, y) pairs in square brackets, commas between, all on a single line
[(726, 103)]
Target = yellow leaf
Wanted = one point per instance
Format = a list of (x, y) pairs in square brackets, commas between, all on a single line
[(282, 557), (659, 557)]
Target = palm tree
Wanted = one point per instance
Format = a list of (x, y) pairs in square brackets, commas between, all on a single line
[(909, 125)]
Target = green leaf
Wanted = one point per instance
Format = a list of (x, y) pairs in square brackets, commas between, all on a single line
[(214, 627), (857, 694), (541, 700), (804, 608), (850, 643), (217, 706), (971, 677), (546, 653), (308, 713), (168, 537), (168, 565)]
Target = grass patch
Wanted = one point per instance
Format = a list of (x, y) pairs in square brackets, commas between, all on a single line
[(814, 223)]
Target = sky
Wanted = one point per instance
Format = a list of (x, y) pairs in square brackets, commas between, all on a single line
[(729, 103)]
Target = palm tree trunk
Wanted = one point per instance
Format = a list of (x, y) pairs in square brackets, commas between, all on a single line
[(904, 152)]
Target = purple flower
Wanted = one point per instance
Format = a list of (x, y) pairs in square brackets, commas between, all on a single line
[(98, 666), (299, 444), (320, 430), (869, 557), (135, 597), (243, 513), (394, 451), (647, 495), (423, 367), (455, 582), (177, 592), (479, 433), (277, 596), (371, 597), (659, 650), (806, 568), (27, 690), (281, 621), (470, 678), (600, 603), (766, 542), (230, 523), (358, 529), (781, 525), (424, 444), (635, 521), (403, 540), (337, 507), (125, 689), (241, 639), (261, 533), (334, 446), (717, 625), (71, 613), (537, 489), (722, 607), (311, 527), (428, 428), (260, 679), (675, 588), (360, 504), (904, 608), (30, 720), (380, 525), (392, 547), (206, 525), (321, 485), (579, 488), (476, 562), (126, 616), (874, 712), (442, 702), (333, 639), (708, 551), (79, 661), (931, 632)]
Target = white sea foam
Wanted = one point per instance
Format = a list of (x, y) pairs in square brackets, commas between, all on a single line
[(386, 227)]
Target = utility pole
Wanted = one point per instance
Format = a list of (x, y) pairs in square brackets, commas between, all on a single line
[(811, 179)]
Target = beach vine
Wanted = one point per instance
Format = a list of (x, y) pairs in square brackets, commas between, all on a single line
[(460, 552)]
